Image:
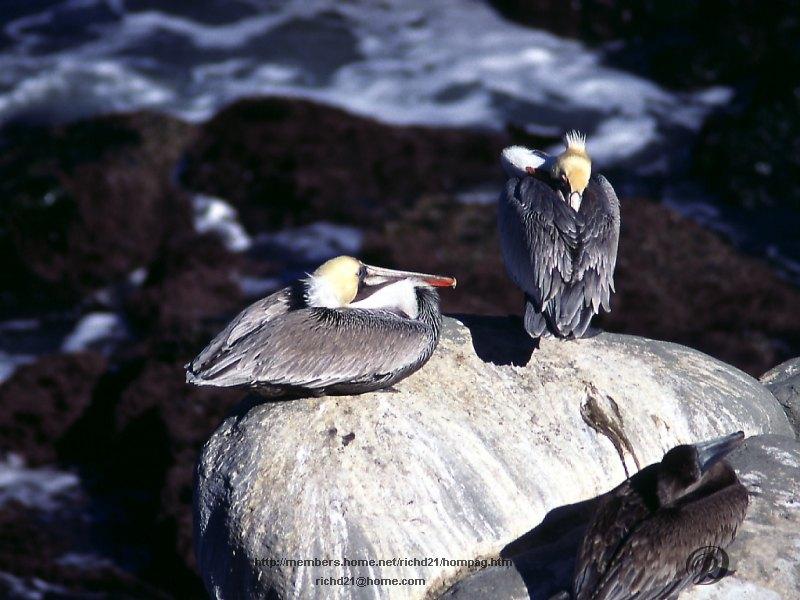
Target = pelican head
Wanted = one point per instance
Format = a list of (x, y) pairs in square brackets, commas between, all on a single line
[(686, 467), (572, 168), (340, 281)]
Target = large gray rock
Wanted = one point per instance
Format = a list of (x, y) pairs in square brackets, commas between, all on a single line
[(465, 456), (766, 552), (764, 556), (784, 382)]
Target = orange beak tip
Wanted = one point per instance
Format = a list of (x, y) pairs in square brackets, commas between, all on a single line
[(442, 282)]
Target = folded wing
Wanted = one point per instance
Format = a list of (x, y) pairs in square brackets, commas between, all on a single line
[(597, 255), (316, 348), (539, 235)]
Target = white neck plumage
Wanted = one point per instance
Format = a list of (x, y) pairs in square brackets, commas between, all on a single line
[(517, 160), (321, 293), (399, 297)]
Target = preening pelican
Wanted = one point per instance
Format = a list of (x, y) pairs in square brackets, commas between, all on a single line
[(559, 230), (644, 539), (346, 329)]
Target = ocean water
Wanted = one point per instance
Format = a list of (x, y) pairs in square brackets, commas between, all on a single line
[(449, 62)]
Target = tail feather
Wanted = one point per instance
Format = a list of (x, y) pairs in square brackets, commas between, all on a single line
[(535, 321), (583, 324)]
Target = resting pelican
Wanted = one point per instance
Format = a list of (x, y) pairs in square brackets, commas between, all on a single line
[(644, 539), (559, 230), (346, 329)]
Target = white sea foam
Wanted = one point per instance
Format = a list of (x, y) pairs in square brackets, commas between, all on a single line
[(481, 195), (84, 562), (93, 329), (42, 488), (10, 362), (314, 243), (449, 62), (30, 588), (217, 216), (256, 287)]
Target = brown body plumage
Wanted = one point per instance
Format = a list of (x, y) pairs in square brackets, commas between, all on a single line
[(645, 530)]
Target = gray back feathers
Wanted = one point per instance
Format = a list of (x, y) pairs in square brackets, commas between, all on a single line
[(562, 259)]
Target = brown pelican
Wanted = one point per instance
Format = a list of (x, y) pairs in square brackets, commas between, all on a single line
[(559, 230), (346, 329), (644, 531)]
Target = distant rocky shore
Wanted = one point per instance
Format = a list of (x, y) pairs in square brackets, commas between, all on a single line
[(89, 204)]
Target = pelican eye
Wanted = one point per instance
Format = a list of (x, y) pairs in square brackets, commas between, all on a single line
[(362, 272)]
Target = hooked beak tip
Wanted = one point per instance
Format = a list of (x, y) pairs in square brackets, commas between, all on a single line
[(431, 280), (711, 452), (437, 281)]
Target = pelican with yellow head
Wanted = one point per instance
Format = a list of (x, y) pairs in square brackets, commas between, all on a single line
[(559, 231), (347, 328)]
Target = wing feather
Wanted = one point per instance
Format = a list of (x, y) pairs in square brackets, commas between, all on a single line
[(629, 555), (247, 321), (319, 347), (618, 513), (597, 256), (539, 237)]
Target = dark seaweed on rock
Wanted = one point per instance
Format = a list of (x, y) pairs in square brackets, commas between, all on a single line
[(85, 204), (288, 162)]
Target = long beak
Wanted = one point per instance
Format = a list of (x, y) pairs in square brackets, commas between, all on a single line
[(711, 452), (377, 275)]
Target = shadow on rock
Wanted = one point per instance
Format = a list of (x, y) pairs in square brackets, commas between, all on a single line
[(543, 559), (499, 340)]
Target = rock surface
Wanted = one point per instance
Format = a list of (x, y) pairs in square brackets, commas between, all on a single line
[(763, 556), (42, 401), (784, 382), (66, 224), (468, 454)]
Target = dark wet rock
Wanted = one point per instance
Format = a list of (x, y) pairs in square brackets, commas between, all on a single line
[(189, 292), (784, 382), (675, 281), (146, 428), (132, 430), (85, 204), (749, 152), (690, 45), (761, 555), (43, 400), (288, 162), (679, 282), (38, 559), (453, 239)]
